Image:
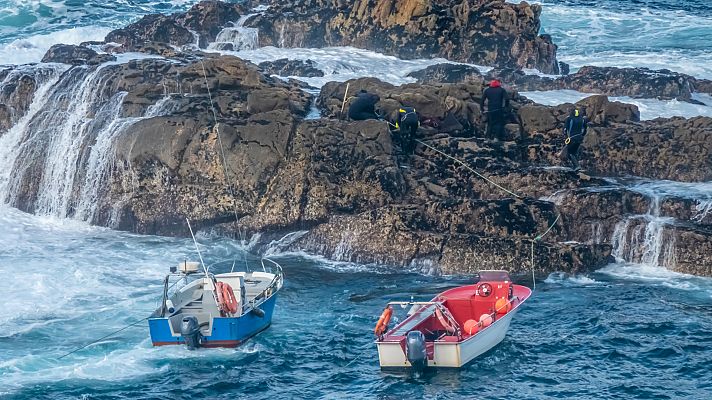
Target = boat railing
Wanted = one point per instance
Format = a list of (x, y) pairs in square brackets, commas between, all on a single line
[(434, 305)]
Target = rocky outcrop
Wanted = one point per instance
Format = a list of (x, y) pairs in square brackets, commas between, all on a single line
[(286, 67), (611, 81), (447, 73), (489, 33), (199, 26), (75, 55)]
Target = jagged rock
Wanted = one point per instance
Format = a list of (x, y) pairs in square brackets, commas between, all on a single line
[(490, 33), (75, 55), (286, 67), (447, 73), (611, 81)]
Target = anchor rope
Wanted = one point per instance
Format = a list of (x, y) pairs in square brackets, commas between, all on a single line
[(104, 337), (224, 162), (535, 239), (469, 168)]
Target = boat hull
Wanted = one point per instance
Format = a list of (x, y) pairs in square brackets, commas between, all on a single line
[(225, 331), (449, 354)]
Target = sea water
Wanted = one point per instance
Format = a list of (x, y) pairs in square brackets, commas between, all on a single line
[(627, 331)]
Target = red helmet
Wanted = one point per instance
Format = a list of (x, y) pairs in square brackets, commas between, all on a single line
[(495, 83)]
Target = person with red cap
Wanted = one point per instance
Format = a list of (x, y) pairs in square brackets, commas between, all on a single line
[(497, 105)]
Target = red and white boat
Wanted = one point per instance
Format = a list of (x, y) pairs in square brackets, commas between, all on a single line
[(454, 327)]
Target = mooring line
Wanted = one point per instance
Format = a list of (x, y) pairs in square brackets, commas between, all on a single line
[(104, 337), (537, 239), (470, 169)]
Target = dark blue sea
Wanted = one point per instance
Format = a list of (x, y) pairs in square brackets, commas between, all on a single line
[(628, 331)]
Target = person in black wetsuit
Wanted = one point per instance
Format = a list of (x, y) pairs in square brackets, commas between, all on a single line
[(497, 108), (406, 124), (575, 128), (363, 107)]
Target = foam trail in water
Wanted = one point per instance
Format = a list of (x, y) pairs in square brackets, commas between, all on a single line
[(33, 48)]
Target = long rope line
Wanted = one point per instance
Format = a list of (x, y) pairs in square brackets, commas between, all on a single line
[(224, 161), (470, 169), (537, 239), (104, 337)]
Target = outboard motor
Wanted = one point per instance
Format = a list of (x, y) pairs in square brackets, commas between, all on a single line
[(190, 330), (415, 350)]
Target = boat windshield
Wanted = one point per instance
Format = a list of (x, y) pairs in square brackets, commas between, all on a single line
[(494, 276)]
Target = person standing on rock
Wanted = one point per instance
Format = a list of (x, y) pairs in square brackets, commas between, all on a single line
[(497, 105), (575, 128), (406, 124), (363, 107)]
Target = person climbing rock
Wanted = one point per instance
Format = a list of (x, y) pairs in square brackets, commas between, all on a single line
[(497, 108), (363, 107), (575, 128), (406, 125)]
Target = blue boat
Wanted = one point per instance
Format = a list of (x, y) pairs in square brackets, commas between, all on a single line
[(201, 309)]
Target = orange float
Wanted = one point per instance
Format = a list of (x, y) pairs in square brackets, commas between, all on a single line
[(502, 306), (471, 327), (382, 323), (485, 320), (227, 302)]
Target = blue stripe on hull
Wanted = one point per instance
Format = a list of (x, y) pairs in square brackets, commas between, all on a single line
[(227, 332)]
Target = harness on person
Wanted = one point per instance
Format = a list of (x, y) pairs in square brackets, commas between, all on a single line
[(405, 113)]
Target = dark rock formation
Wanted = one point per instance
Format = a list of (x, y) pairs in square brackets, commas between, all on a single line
[(75, 55), (489, 33), (286, 67), (204, 19), (447, 73), (611, 81)]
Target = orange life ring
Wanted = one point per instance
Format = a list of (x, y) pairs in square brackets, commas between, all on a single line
[(382, 324), (444, 322), (227, 302)]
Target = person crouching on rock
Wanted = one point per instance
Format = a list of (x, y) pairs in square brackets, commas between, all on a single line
[(364, 106), (406, 125), (497, 105), (575, 129)]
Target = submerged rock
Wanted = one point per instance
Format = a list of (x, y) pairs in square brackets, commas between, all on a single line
[(447, 73), (75, 55), (286, 67)]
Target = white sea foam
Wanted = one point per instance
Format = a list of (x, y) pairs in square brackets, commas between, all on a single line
[(655, 39), (33, 48), (344, 63), (649, 108), (560, 278)]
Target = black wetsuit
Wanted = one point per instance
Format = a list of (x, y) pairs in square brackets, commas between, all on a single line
[(364, 107), (497, 105), (407, 125), (574, 128)]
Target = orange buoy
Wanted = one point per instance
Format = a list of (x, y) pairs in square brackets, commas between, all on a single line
[(485, 320), (227, 302), (382, 323), (471, 327), (502, 306)]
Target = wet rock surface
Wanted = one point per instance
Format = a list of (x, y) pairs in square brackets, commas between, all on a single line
[(75, 55), (286, 67)]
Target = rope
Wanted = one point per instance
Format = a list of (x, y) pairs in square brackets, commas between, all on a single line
[(470, 169), (537, 239), (224, 160), (104, 337)]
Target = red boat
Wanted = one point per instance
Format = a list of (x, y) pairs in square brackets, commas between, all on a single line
[(454, 327)]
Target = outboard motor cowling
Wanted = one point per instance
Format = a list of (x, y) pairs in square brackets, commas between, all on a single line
[(415, 350), (190, 330)]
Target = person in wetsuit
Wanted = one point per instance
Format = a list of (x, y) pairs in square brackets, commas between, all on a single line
[(497, 105), (363, 107), (575, 128), (407, 123)]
